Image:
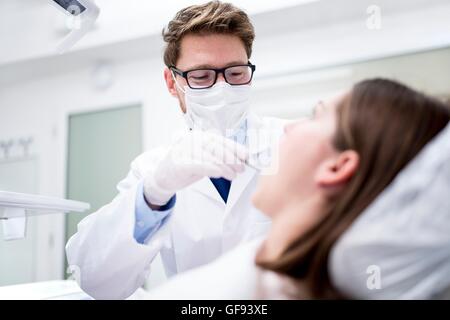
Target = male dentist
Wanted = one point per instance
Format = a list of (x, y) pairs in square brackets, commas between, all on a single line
[(190, 201)]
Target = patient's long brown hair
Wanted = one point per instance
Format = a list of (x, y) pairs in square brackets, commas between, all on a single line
[(387, 124)]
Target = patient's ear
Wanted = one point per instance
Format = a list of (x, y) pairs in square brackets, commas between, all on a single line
[(336, 172)]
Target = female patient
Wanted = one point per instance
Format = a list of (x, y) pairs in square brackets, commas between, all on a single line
[(331, 167)]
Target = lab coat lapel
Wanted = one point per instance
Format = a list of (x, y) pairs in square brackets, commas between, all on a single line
[(254, 146), (206, 187), (238, 186)]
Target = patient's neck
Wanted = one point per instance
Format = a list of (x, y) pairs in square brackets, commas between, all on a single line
[(294, 219)]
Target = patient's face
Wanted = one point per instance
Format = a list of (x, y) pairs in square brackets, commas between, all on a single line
[(304, 147)]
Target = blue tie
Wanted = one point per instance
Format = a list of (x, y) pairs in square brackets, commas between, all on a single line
[(223, 187)]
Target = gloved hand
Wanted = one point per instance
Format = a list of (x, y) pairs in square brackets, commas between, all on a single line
[(196, 155)]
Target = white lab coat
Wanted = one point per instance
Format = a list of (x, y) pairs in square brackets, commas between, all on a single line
[(107, 261), (233, 276)]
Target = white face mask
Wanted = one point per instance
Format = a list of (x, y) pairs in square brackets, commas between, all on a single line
[(221, 108)]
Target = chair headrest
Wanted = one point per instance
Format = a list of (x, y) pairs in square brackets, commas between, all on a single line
[(399, 247)]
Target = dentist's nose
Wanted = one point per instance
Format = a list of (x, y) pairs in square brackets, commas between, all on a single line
[(220, 78)]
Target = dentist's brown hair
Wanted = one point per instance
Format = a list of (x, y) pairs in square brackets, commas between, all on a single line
[(387, 124), (214, 17)]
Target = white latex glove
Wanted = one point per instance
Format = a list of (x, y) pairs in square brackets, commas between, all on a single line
[(196, 155)]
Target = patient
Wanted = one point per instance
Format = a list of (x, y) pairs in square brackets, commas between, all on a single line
[(331, 167)]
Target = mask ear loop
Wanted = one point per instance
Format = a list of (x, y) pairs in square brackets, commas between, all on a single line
[(179, 87), (177, 84)]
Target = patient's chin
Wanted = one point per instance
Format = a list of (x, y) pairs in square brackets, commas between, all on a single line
[(257, 200)]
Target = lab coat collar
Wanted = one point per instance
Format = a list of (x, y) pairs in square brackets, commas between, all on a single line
[(206, 187), (238, 186)]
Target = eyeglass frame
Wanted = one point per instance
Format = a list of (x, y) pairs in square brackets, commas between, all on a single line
[(217, 72)]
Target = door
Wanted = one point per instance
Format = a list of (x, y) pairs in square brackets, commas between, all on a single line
[(101, 147)]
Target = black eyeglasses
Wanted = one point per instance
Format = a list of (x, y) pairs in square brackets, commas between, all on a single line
[(237, 75)]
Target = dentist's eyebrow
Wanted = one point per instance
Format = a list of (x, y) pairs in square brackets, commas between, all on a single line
[(209, 66)]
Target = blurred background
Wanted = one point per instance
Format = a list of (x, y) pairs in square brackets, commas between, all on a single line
[(70, 124)]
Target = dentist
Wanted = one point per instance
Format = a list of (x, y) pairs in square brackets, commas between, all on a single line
[(189, 201)]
